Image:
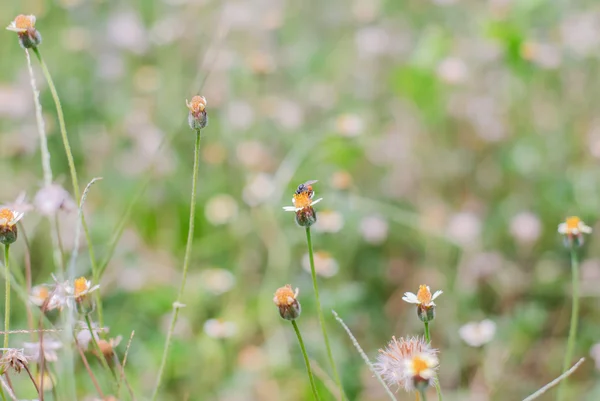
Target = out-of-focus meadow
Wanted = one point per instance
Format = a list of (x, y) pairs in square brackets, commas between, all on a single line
[(449, 138)]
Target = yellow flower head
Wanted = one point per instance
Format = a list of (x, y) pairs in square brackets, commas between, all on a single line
[(197, 105), (423, 296), (22, 23), (286, 300)]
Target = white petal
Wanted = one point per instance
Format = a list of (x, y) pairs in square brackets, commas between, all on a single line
[(316, 201), (562, 228), (17, 216), (437, 294), (585, 229), (290, 209), (410, 298)]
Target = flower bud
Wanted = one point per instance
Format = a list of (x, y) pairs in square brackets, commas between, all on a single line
[(426, 313), (306, 217), (285, 299), (197, 118)]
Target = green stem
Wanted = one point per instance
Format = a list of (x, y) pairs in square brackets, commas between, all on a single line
[(320, 312), (72, 169), (2, 393), (6, 295), (423, 395), (103, 360), (574, 318), (427, 335), (186, 262), (306, 361), (438, 389)]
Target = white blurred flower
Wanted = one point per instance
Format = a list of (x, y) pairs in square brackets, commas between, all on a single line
[(49, 200), (372, 41), (84, 336), (259, 189), (476, 334), (219, 328), (526, 227), (126, 30), (374, 229), (289, 114), (581, 33), (221, 209), (595, 355), (330, 221), (325, 264), (452, 70), (32, 350), (350, 125), (217, 281), (464, 228), (240, 115), (253, 155)]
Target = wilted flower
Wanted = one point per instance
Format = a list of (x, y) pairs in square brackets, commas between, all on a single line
[(50, 346), (410, 363), (219, 328), (13, 358), (476, 334), (24, 26), (573, 229), (303, 204), (8, 225), (285, 299), (197, 118), (424, 302), (108, 347)]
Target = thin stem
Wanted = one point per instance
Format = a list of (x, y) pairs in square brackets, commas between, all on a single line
[(186, 262), (87, 367), (574, 318), (438, 389), (71, 162), (364, 356), (427, 335), (423, 395), (6, 295), (555, 381), (37, 389), (320, 312), (97, 347), (306, 361)]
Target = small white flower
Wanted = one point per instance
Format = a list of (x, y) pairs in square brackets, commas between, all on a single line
[(50, 346), (300, 205), (10, 217), (84, 336), (476, 334), (218, 328), (21, 23), (422, 297), (573, 226)]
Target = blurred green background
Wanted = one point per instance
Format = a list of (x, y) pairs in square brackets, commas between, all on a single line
[(449, 138)]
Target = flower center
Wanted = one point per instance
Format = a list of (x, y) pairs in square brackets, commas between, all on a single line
[(23, 22), (302, 200), (285, 296), (424, 295), (80, 286), (197, 105), (6, 216), (419, 365), (573, 223)]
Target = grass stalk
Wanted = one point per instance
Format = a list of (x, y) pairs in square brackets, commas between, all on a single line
[(574, 319), (320, 312), (306, 361), (186, 262)]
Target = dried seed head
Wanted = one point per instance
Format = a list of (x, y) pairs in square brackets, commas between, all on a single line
[(197, 117), (285, 299), (13, 359)]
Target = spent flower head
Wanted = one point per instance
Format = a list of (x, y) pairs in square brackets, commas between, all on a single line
[(24, 26), (8, 225), (197, 117), (303, 202), (13, 358), (408, 363), (573, 229), (286, 300), (424, 301)]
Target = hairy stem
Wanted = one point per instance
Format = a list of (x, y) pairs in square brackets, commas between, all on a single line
[(320, 312), (6, 295), (574, 318), (306, 361), (186, 262)]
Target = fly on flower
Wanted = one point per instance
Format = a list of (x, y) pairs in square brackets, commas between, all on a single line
[(303, 204), (573, 229), (8, 225)]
